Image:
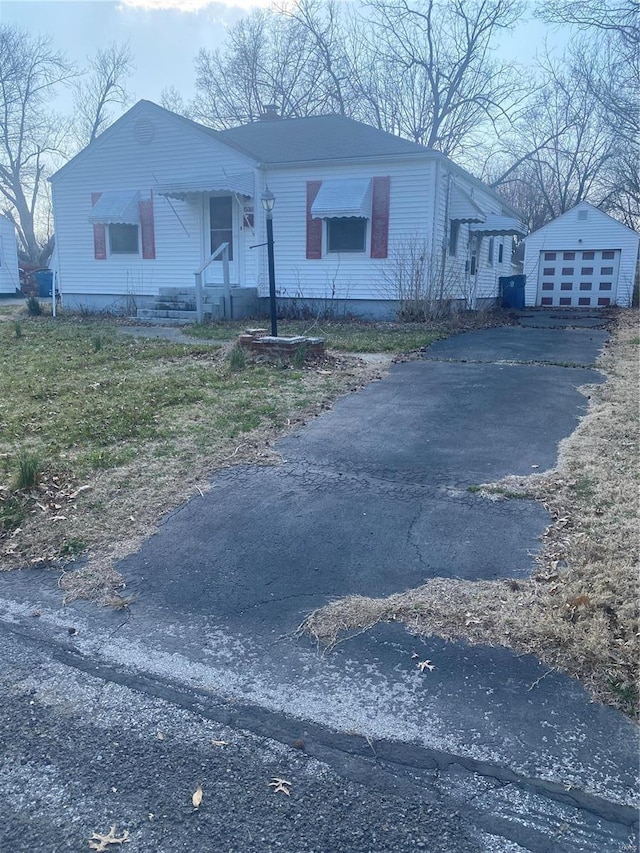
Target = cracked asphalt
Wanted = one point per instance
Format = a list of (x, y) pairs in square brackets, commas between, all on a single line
[(489, 752)]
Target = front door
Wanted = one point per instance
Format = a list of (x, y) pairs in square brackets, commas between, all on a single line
[(221, 226)]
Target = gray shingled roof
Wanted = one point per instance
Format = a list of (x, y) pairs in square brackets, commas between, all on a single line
[(327, 137)]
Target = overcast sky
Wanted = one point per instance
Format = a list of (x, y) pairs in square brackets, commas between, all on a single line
[(165, 35)]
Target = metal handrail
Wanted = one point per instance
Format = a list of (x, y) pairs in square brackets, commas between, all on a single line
[(224, 250)]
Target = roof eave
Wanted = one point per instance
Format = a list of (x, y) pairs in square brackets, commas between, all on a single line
[(332, 161)]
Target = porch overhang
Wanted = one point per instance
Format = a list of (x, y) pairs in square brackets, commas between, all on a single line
[(240, 183), (495, 226), (346, 198), (462, 208)]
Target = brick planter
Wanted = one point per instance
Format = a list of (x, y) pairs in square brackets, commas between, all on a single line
[(258, 342)]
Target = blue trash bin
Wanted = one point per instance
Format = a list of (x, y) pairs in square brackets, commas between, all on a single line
[(512, 290), (44, 280)]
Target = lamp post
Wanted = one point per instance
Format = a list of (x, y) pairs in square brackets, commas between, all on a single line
[(268, 200)]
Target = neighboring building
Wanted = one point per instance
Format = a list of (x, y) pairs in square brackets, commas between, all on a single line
[(9, 274), (362, 218), (584, 258)]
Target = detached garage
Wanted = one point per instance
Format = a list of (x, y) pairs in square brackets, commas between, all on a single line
[(584, 258)]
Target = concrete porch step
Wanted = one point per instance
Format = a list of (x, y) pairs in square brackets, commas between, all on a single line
[(174, 305), (166, 314)]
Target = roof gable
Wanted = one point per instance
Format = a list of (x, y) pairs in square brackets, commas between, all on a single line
[(582, 205), (135, 117)]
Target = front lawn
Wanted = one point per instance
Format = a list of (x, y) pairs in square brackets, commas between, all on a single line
[(101, 433), (351, 336)]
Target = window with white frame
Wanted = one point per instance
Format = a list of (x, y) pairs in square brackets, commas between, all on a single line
[(346, 234), (124, 239), (490, 252)]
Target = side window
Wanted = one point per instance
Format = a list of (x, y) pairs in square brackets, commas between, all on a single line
[(347, 234), (123, 239), (454, 230), (500, 252), (490, 252)]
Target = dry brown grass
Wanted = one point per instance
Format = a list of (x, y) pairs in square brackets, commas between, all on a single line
[(118, 508), (580, 610)]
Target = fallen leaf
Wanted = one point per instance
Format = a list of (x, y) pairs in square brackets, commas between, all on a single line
[(215, 742), (425, 664), (196, 799), (100, 842), (280, 785)]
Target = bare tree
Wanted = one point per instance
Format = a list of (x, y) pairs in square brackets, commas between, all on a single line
[(172, 99), (269, 59), (606, 53), (103, 87), (620, 18), (322, 22), (30, 72), (447, 46), (562, 148)]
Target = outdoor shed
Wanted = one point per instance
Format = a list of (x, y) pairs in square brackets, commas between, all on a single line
[(9, 276), (584, 258)]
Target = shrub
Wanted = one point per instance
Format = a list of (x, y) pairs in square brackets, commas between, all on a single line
[(34, 307)]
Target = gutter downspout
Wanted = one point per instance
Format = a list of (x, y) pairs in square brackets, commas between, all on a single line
[(443, 260)]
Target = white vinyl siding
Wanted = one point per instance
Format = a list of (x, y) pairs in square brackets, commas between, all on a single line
[(149, 149), (9, 276), (118, 161), (459, 283), (348, 274)]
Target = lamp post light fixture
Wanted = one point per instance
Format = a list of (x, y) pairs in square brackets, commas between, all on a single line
[(268, 201)]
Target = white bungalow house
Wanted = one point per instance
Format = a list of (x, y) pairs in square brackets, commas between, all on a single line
[(583, 258), (9, 273), (362, 218)]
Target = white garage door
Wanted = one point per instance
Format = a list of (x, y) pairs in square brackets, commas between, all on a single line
[(587, 279)]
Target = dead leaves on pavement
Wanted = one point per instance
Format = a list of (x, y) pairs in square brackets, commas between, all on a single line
[(101, 842)]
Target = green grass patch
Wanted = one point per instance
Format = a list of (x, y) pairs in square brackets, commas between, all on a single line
[(342, 336), (72, 547), (123, 426), (215, 331), (12, 513), (28, 470)]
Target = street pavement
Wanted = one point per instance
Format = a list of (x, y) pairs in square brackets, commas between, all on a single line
[(371, 498)]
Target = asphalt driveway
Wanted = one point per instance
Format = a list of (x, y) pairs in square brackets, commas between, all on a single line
[(373, 498)]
